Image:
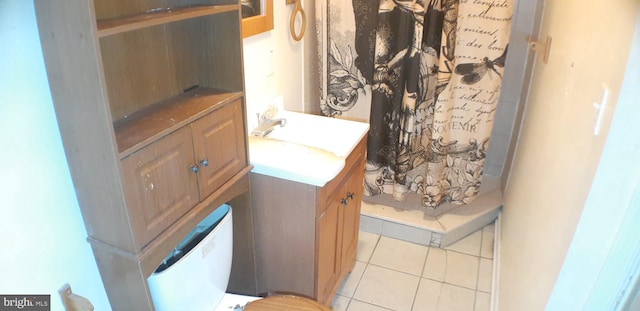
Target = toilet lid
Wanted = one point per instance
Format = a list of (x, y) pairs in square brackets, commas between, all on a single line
[(285, 302)]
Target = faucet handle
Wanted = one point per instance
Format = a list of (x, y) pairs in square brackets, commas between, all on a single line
[(270, 112)]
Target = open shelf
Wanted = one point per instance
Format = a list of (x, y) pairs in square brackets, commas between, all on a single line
[(146, 126), (150, 18)]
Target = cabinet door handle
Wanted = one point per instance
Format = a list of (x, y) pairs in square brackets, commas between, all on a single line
[(205, 162), (344, 201), (195, 168), (350, 195)]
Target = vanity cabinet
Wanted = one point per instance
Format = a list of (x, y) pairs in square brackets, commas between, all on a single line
[(337, 234), (149, 96), (306, 236)]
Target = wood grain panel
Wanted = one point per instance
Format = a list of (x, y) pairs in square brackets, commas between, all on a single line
[(285, 302), (139, 69), (120, 273), (284, 231), (159, 185), (119, 24), (146, 66), (147, 125), (219, 139), (109, 9), (243, 268), (327, 192), (186, 51), (75, 79), (329, 243), (220, 54), (351, 217)]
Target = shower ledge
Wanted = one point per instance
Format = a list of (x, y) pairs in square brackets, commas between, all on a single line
[(414, 225)]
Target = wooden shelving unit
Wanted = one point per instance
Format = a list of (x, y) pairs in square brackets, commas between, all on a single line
[(149, 95)]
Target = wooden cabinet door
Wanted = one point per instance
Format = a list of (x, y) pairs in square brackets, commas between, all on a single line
[(328, 242), (159, 184), (219, 144), (351, 217)]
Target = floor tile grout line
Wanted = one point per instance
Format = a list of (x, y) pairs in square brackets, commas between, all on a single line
[(382, 307), (439, 295), (446, 266), (448, 283), (359, 281), (364, 270), (475, 290), (439, 292), (456, 285), (459, 252), (366, 264), (424, 264), (394, 270), (479, 262), (379, 236)]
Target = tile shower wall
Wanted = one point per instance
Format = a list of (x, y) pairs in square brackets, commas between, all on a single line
[(509, 112)]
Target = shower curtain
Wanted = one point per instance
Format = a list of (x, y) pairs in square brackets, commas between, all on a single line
[(427, 75)]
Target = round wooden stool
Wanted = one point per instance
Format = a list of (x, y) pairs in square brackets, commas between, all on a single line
[(285, 303)]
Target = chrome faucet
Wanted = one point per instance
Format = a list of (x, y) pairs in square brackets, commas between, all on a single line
[(266, 125)]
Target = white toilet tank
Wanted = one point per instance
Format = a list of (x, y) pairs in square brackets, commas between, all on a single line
[(195, 276)]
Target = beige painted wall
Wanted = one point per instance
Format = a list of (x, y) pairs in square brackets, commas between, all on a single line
[(557, 153), (274, 63)]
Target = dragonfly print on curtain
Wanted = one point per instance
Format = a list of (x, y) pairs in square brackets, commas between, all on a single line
[(429, 73)]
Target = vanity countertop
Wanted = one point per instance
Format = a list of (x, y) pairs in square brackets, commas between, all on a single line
[(309, 149)]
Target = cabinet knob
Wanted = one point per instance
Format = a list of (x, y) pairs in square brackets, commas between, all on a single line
[(344, 201), (195, 168), (205, 162), (350, 195)]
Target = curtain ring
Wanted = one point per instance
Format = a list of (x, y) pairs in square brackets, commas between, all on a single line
[(298, 9)]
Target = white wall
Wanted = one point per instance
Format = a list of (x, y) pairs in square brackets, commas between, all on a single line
[(42, 244), (606, 239), (274, 64), (557, 154)]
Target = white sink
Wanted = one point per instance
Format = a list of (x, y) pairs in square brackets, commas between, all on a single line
[(308, 149)]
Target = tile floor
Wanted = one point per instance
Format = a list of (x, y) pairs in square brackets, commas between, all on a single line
[(396, 275)]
